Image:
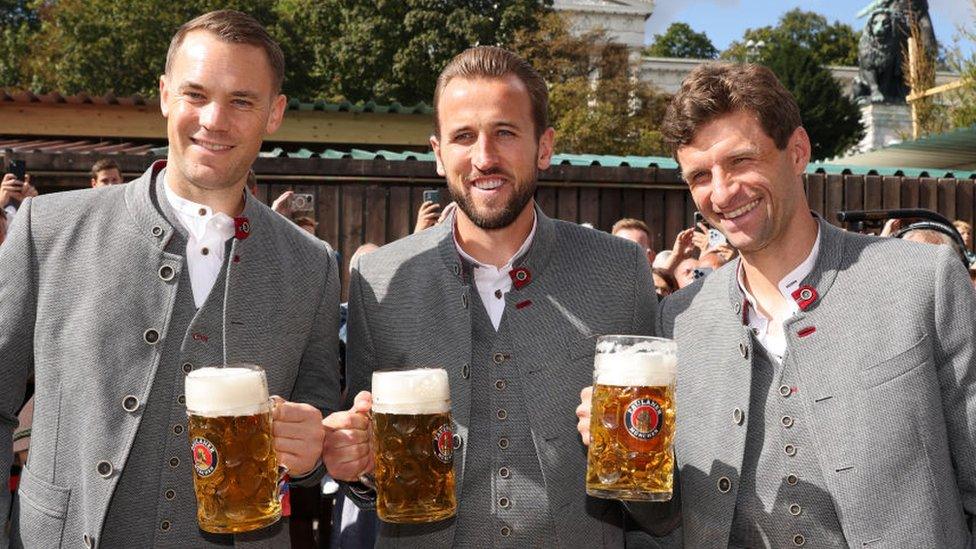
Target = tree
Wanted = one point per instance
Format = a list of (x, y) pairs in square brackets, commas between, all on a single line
[(679, 40), (18, 22), (830, 118), (830, 44), (596, 104)]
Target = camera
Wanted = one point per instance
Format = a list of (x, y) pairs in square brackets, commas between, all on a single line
[(701, 272), (302, 202), (432, 195)]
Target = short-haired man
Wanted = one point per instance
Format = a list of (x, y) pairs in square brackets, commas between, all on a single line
[(826, 378), (111, 296), (635, 231), (509, 301), (105, 172)]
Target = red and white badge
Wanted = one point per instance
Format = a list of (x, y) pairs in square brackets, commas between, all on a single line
[(205, 458), (643, 418), (444, 443)]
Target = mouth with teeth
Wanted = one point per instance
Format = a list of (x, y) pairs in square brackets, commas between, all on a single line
[(210, 146), (487, 184), (731, 215)]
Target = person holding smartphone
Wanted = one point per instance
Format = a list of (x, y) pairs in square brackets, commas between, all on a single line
[(14, 188)]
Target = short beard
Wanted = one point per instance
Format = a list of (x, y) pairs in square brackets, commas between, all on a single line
[(500, 219)]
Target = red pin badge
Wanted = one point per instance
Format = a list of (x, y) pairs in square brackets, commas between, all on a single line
[(805, 296), (521, 277), (242, 228)]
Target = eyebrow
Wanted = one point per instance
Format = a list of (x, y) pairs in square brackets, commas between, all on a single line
[(248, 94)]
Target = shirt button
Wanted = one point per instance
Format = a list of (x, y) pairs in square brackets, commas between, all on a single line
[(504, 503), (504, 472), (787, 421), (151, 336), (204, 251), (724, 485), (498, 294), (187, 367), (503, 443), (737, 416), (170, 494), (203, 211), (790, 450), (104, 469), (500, 384), (795, 510), (799, 540), (130, 403), (505, 531), (164, 526), (785, 391), (501, 414), (178, 429), (174, 462), (166, 273), (792, 479)]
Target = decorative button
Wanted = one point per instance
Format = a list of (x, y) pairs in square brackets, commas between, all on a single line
[(724, 485), (792, 479), (174, 462), (744, 350), (505, 531), (465, 371), (151, 336), (164, 526), (204, 251), (170, 494), (504, 472), (203, 211), (498, 358), (181, 399), (787, 421), (130, 403), (156, 231), (500, 384), (456, 440), (178, 429), (104, 469), (89, 541), (790, 450), (795, 510), (186, 367), (456, 268), (464, 300), (501, 414), (504, 503), (503, 443), (166, 273), (785, 391), (799, 540), (737, 416)]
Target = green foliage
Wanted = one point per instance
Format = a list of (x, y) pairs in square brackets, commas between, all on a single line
[(829, 44), (595, 103), (831, 118), (680, 41)]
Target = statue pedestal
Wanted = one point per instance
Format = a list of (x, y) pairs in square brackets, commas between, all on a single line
[(884, 125)]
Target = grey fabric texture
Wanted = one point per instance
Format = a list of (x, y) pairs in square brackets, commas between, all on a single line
[(885, 387), (410, 305), (81, 286)]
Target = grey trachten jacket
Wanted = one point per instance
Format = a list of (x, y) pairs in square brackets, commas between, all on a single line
[(887, 386), (81, 284)]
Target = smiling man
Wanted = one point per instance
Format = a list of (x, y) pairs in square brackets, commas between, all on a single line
[(509, 302), (826, 383), (111, 296)]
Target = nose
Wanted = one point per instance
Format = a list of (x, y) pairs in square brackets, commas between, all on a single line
[(724, 188), (484, 157), (213, 117)]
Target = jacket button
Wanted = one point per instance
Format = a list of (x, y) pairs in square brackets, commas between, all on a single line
[(498, 358), (724, 485), (174, 462), (181, 400), (737, 308), (130, 403), (186, 367), (104, 469), (166, 273), (737, 416), (785, 391), (170, 494), (505, 531), (178, 429), (151, 336), (799, 540), (792, 479), (744, 350), (504, 503), (504, 472), (456, 440), (165, 525), (790, 450), (456, 268), (501, 414), (156, 231), (787, 421), (500, 384), (465, 371), (795, 510), (503, 443)]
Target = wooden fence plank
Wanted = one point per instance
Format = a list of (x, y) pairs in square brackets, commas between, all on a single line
[(872, 192), (654, 217), (609, 208), (589, 206), (399, 213), (815, 183), (947, 198), (328, 214), (375, 215), (568, 204), (928, 194), (910, 189), (351, 229), (632, 203), (545, 197), (853, 192), (891, 192), (834, 200), (674, 216)]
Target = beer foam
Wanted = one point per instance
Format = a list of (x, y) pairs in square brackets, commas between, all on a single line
[(629, 368), (231, 391), (413, 392)]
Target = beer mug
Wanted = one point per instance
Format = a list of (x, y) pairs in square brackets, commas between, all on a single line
[(632, 419), (236, 474), (414, 444)]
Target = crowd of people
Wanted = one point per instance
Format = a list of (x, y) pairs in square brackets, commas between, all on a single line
[(826, 382)]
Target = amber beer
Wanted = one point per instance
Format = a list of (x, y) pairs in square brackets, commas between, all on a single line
[(632, 419), (414, 446), (234, 462)]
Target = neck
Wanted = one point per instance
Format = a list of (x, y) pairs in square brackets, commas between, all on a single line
[(764, 269), (229, 201), (496, 246)]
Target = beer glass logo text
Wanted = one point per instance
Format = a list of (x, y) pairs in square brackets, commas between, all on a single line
[(204, 456), (444, 443), (643, 418)]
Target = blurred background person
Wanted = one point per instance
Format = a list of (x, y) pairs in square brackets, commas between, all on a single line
[(13, 191), (637, 231), (105, 172), (664, 282), (965, 231)]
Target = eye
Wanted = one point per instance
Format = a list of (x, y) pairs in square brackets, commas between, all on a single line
[(462, 137), (193, 96), (243, 103), (506, 133), (697, 178)]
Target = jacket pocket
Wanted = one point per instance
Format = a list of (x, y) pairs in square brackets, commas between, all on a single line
[(39, 512), (897, 364)]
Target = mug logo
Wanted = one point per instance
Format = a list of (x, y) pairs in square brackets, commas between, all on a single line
[(205, 458), (444, 443), (643, 418)]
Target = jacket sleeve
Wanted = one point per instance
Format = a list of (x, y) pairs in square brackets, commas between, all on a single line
[(955, 360), (18, 296)]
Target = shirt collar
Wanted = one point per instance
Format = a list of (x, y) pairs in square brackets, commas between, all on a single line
[(790, 282), (199, 219), (518, 253)]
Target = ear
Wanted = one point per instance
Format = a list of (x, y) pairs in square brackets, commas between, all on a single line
[(277, 113), (93, 182), (163, 96), (436, 145), (800, 150), (546, 142)]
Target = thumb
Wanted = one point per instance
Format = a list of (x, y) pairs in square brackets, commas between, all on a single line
[(362, 403)]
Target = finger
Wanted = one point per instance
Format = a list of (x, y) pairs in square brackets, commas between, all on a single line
[(347, 437), (296, 412), (346, 420), (291, 446), (304, 430), (362, 403)]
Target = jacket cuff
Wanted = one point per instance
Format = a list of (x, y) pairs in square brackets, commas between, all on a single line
[(362, 495)]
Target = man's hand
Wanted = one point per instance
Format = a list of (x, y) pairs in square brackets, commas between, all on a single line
[(583, 413), (282, 204), (683, 248), (427, 216), (12, 189), (298, 436), (891, 227), (346, 451), (700, 238)]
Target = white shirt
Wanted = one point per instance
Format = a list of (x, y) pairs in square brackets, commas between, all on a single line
[(207, 232), (493, 282), (774, 340)]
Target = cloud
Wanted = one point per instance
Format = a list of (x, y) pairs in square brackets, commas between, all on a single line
[(665, 11)]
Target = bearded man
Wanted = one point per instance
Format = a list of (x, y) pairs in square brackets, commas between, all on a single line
[(510, 303)]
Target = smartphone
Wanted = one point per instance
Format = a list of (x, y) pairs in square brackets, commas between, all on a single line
[(302, 202), (432, 195), (18, 168), (699, 218)]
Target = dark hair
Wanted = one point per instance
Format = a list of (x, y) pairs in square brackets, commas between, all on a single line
[(714, 89), (495, 62), (668, 278), (237, 28), (102, 165)]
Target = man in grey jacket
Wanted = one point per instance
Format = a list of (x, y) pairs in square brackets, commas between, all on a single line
[(826, 388), (110, 296), (509, 302)]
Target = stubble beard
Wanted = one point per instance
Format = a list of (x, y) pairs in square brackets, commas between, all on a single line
[(496, 219)]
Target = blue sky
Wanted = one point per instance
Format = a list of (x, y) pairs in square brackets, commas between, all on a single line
[(725, 20)]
